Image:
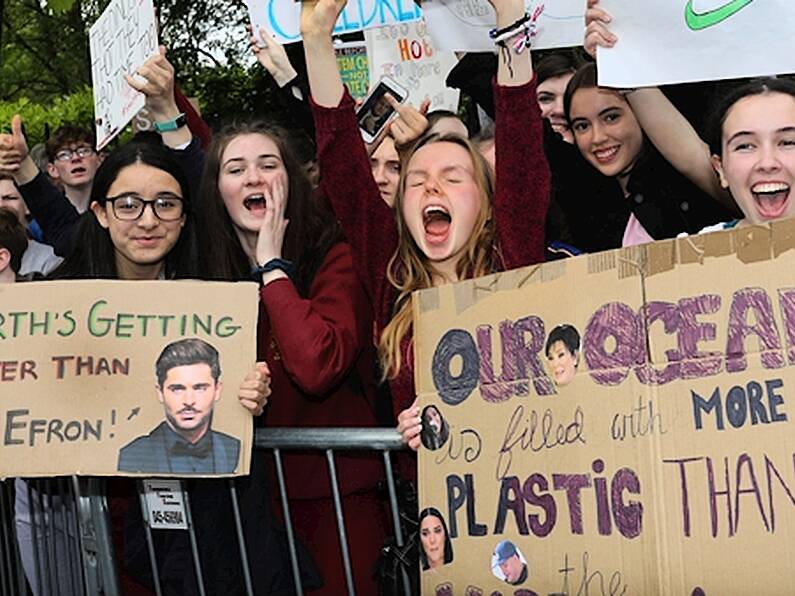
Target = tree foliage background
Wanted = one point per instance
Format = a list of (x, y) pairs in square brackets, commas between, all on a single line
[(45, 70)]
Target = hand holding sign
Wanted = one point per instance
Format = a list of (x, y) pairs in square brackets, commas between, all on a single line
[(255, 389), (156, 81), (410, 425), (596, 31), (319, 16)]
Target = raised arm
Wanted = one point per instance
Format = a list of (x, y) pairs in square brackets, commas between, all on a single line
[(346, 177), (668, 130), (52, 210), (522, 174)]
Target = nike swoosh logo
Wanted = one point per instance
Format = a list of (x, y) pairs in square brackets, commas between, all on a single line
[(703, 20)]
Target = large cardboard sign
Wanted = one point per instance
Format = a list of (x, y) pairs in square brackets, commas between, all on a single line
[(464, 25), (282, 18), (618, 423), (407, 53), (121, 40), (680, 41), (95, 377)]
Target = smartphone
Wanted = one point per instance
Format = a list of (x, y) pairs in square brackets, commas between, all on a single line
[(375, 111)]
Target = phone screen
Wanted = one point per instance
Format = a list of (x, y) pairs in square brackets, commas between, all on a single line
[(376, 111)]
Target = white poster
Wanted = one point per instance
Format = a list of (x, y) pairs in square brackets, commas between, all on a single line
[(679, 41), (406, 53), (463, 25), (281, 18), (121, 40)]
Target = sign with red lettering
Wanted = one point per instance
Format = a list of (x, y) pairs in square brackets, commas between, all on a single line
[(407, 53), (617, 423), (110, 378)]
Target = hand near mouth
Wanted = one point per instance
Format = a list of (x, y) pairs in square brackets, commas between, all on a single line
[(271, 233)]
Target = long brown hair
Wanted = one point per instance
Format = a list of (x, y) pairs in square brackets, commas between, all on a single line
[(409, 269), (313, 229)]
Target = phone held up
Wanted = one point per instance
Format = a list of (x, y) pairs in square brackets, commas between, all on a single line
[(375, 112)]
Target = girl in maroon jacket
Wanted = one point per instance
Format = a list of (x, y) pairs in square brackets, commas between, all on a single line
[(450, 220)]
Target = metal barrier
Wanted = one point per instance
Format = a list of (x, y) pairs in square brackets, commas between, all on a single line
[(56, 536)]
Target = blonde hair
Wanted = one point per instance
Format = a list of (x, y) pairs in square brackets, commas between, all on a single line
[(409, 269)]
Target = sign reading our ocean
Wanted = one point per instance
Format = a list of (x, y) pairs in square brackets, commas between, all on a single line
[(585, 417)]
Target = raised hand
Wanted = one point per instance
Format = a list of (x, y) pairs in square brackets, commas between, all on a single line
[(318, 17), (508, 11), (255, 389), (158, 86), (410, 425), (596, 31), (13, 147), (410, 123), (273, 57)]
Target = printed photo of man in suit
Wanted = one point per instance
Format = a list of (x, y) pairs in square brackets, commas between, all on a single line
[(188, 385)]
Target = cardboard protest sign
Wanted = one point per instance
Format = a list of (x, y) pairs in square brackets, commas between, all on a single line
[(617, 423), (464, 25), (96, 377), (681, 41), (353, 64), (121, 40), (406, 53), (281, 18)]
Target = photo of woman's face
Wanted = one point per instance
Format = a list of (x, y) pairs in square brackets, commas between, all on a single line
[(562, 363), (432, 536), (434, 419)]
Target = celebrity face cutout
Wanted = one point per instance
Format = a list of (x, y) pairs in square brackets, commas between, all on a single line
[(512, 569), (562, 363), (605, 129), (188, 395), (758, 162), (434, 419), (433, 538), (250, 164), (441, 202)]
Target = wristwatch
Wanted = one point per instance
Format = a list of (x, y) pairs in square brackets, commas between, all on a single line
[(272, 265), (173, 124)]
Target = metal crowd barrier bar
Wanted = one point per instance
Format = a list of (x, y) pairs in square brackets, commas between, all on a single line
[(65, 548), (330, 440)]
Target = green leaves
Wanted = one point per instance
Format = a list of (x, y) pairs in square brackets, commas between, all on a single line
[(60, 6)]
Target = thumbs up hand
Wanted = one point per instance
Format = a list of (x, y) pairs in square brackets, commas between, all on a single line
[(14, 158), (13, 147)]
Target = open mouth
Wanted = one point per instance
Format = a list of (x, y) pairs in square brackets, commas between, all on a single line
[(771, 198), (255, 203), (436, 221), (78, 170)]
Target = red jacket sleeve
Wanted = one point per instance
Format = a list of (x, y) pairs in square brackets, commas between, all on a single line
[(347, 181), (522, 176), (320, 337)]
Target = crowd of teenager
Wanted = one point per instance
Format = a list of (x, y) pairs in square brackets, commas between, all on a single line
[(548, 165)]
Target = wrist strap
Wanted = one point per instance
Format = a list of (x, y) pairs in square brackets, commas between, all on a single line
[(273, 265), (173, 124)]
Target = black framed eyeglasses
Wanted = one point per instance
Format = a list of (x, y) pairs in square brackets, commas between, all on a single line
[(131, 207), (68, 154)]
